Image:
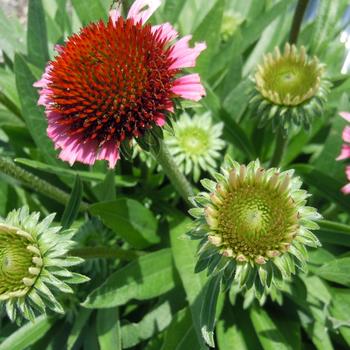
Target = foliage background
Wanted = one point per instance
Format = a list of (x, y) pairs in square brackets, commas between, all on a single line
[(155, 300)]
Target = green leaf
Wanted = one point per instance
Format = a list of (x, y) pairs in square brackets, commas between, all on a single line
[(152, 323), (38, 52), (181, 334), (172, 10), (269, 335), (129, 219), (105, 190), (326, 162), (208, 310), (340, 309), (81, 319), (252, 31), (336, 271), (235, 327), (333, 233), (28, 334), (236, 135), (184, 252), (326, 185), (145, 278), (33, 115), (12, 38), (108, 329), (89, 10), (124, 181), (72, 209), (209, 31)]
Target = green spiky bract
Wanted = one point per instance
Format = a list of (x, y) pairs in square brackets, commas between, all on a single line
[(195, 144), (34, 260), (289, 89), (253, 225)]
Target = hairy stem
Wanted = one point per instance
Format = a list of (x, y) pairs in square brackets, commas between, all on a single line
[(179, 181), (41, 186)]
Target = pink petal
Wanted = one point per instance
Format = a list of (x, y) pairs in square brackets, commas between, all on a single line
[(166, 31), (345, 115), (189, 87), (346, 134), (110, 153), (347, 172), (345, 153), (160, 121), (115, 14), (59, 48), (184, 55), (142, 10), (346, 189)]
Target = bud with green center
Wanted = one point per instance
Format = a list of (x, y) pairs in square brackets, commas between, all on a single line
[(33, 261), (195, 144), (230, 23), (254, 225), (290, 88)]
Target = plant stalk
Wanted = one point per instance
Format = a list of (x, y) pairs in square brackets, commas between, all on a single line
[(297, 20), (179, 181), (41, 186), (281, 143)]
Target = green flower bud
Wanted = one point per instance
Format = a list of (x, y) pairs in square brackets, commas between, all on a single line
[(290, 88), (195, 144), (257, 227), (33, 261)]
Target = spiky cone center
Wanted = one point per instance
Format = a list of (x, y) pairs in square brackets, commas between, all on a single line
[(20, 262), (289, 78), (256, 218), (112, 81)]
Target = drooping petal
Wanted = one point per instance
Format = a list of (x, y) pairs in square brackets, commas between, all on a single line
[(345, 115), (142, 10), (345, 152), (346, 134), (115, 14), (166, 31), (184, 56), (189, 87), (109, 152), (346, 189)]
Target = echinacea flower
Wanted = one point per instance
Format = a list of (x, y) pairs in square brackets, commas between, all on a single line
[(34, 261), (345, 151), (195, 144), (253, 225), (290, 88), (115, 81)]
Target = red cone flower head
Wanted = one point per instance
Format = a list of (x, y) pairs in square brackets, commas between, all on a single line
[(114, 81)]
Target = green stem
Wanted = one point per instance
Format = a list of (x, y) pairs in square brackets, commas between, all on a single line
[(281, 142), (41, 186), (179, 181), (106, 252), (297, 20)]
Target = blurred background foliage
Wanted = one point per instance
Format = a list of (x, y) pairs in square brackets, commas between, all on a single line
[(150, 297)]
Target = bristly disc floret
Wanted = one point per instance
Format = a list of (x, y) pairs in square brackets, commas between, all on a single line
[(195, 144), (33, 261), (253, 224), (290, 88)]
